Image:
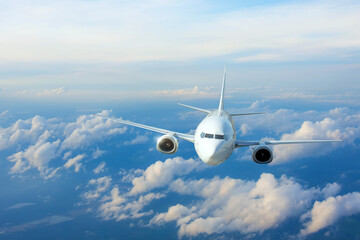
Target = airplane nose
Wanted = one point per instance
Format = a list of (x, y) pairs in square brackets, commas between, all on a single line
[(210, 151)]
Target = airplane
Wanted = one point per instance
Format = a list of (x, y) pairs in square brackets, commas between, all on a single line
[(215, 137)]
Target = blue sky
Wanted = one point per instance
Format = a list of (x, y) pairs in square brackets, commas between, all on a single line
[(68, 174)]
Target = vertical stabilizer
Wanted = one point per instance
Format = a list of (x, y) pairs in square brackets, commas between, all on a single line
[(221, 104)]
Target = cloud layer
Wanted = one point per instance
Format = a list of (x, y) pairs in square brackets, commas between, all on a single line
[(219, 204), (204, 32), (223, 204)]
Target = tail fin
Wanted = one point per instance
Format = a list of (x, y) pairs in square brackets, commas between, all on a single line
[(221, 104)]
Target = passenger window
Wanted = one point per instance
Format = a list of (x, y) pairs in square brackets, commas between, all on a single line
[(202, 135), (219, 136), (208, 135)]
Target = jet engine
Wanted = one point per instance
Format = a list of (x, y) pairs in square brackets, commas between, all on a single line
[(262, 155), (167, 144)]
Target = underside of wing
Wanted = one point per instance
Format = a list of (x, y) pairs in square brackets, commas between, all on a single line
[(254, 143), (187, 137), (246, 143), (299, 141)]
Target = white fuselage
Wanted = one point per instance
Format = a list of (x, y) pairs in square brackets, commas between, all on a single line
[(215, 138)]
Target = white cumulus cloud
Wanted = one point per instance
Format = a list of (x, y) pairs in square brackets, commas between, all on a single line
[(43, 140), (161, 173), (220, 205), (100, 168), (75, 161), (327, 212), (337, 128), (88, 129), (101, 184), (120, 207), (137, 140), (36, 156), (246, 206), (119, 204)]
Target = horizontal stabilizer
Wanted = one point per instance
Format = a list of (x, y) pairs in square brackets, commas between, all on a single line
[(195, 108), (244, 114)]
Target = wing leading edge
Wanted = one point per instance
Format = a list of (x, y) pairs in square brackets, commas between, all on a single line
[(187, 137), (254, 143)]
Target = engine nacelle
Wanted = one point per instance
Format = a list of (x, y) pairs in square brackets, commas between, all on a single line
[(167, 144), (262, 155)]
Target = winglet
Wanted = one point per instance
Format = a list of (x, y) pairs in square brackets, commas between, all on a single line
[(221, 104)]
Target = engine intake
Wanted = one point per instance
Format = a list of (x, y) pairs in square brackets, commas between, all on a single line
[(167, 144), (262, 155)]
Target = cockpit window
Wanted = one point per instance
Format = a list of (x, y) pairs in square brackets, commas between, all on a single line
[(208, 135), (219, 136), (212, 136)]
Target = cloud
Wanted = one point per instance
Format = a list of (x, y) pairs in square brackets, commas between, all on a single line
[(138, 140), (4, 113), (24, 131), (20, 205), (161, 173), (47, 221), (174, 213), (98, 153), (119, 207), (278, 121), (43, 93), (75, 161), (331, 189), (101, 184), (190, 92), (335, 124), (88, 129), (100, 168), (261, 57), (340, 126), (325, 129), (36, 156), (257, 104), (56, 91), (219, 205), (244, 129), (44, 140), (204, 32), (130, 204), (327, 212), (237, 205)]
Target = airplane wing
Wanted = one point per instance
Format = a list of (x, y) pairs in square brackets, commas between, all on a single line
[(187, 137), (254, 143)]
